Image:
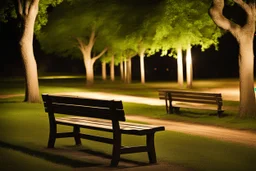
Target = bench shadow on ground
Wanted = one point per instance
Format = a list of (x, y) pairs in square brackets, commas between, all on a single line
[(58, 159), (107, 156), (199, 114), (57, 156)]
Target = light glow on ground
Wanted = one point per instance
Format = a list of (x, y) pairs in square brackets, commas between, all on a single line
[(124, 98)]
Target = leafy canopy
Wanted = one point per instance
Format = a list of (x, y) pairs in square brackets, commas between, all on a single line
[(8, 10)]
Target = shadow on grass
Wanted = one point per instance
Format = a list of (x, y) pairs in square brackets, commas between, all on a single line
[(11, 101), (58, 159), (194, 114), (49, 157), (96, 153)]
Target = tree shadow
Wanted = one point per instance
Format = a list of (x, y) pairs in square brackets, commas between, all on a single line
[(54, 158)]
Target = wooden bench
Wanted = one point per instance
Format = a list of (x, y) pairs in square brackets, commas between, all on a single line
[(175, 99), (101, 115)]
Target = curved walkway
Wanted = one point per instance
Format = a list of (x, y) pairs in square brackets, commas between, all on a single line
[(238, 136)]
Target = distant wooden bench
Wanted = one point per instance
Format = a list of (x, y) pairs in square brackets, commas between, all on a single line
[(175, 99), (101, 115)]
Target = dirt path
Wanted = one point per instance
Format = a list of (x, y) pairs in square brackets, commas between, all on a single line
[(238, 136), (243, 137)]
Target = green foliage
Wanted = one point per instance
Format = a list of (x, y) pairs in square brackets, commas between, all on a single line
[(186, 22), (42, 16), (77, 20), (8, 10)]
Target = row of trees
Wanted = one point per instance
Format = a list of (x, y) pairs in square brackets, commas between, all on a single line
[(119, 30), (126, 31)]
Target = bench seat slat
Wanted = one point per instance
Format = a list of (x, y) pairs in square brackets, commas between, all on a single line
[(99, 124), (196, 106), (195, 100)]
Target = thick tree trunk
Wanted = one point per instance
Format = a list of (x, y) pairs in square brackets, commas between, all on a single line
[(189, 67), (112, 68), (88, 68), (180, 67), (142, 66), (244, 35), (246, 65), (89, 61), (27, 53), (103, 70)]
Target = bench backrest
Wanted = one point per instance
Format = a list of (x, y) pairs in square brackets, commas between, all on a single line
[(78, 106), (193, 97)]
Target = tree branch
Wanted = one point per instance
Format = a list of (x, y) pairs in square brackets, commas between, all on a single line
[(34, 5), (20, 8), (99, 55), (220, 20), (92, 38), (81, 44), (27, 6), (243, 5)]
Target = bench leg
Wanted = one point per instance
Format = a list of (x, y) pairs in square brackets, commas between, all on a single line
[(52, 137), (116, 151), (177, 110), (219, 113), (76, 132), (166, 106), (151, 148)]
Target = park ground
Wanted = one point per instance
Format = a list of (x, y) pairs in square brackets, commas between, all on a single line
[(242, 137)]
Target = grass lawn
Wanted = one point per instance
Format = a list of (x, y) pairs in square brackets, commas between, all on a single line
[(24, 134), (24, 131), (77, 84)]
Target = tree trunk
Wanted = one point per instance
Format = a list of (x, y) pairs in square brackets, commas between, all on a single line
[(27, 53), (189, 67), (122, 69), (129, 69), (142, 66), (244, 35), (88, 68), (103, 70), (246, 67), (89, 61), (180, 67), (112, 69), (125, 71)]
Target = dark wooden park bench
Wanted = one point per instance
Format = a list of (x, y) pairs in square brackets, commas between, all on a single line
[(101, 115), (175, 99)]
